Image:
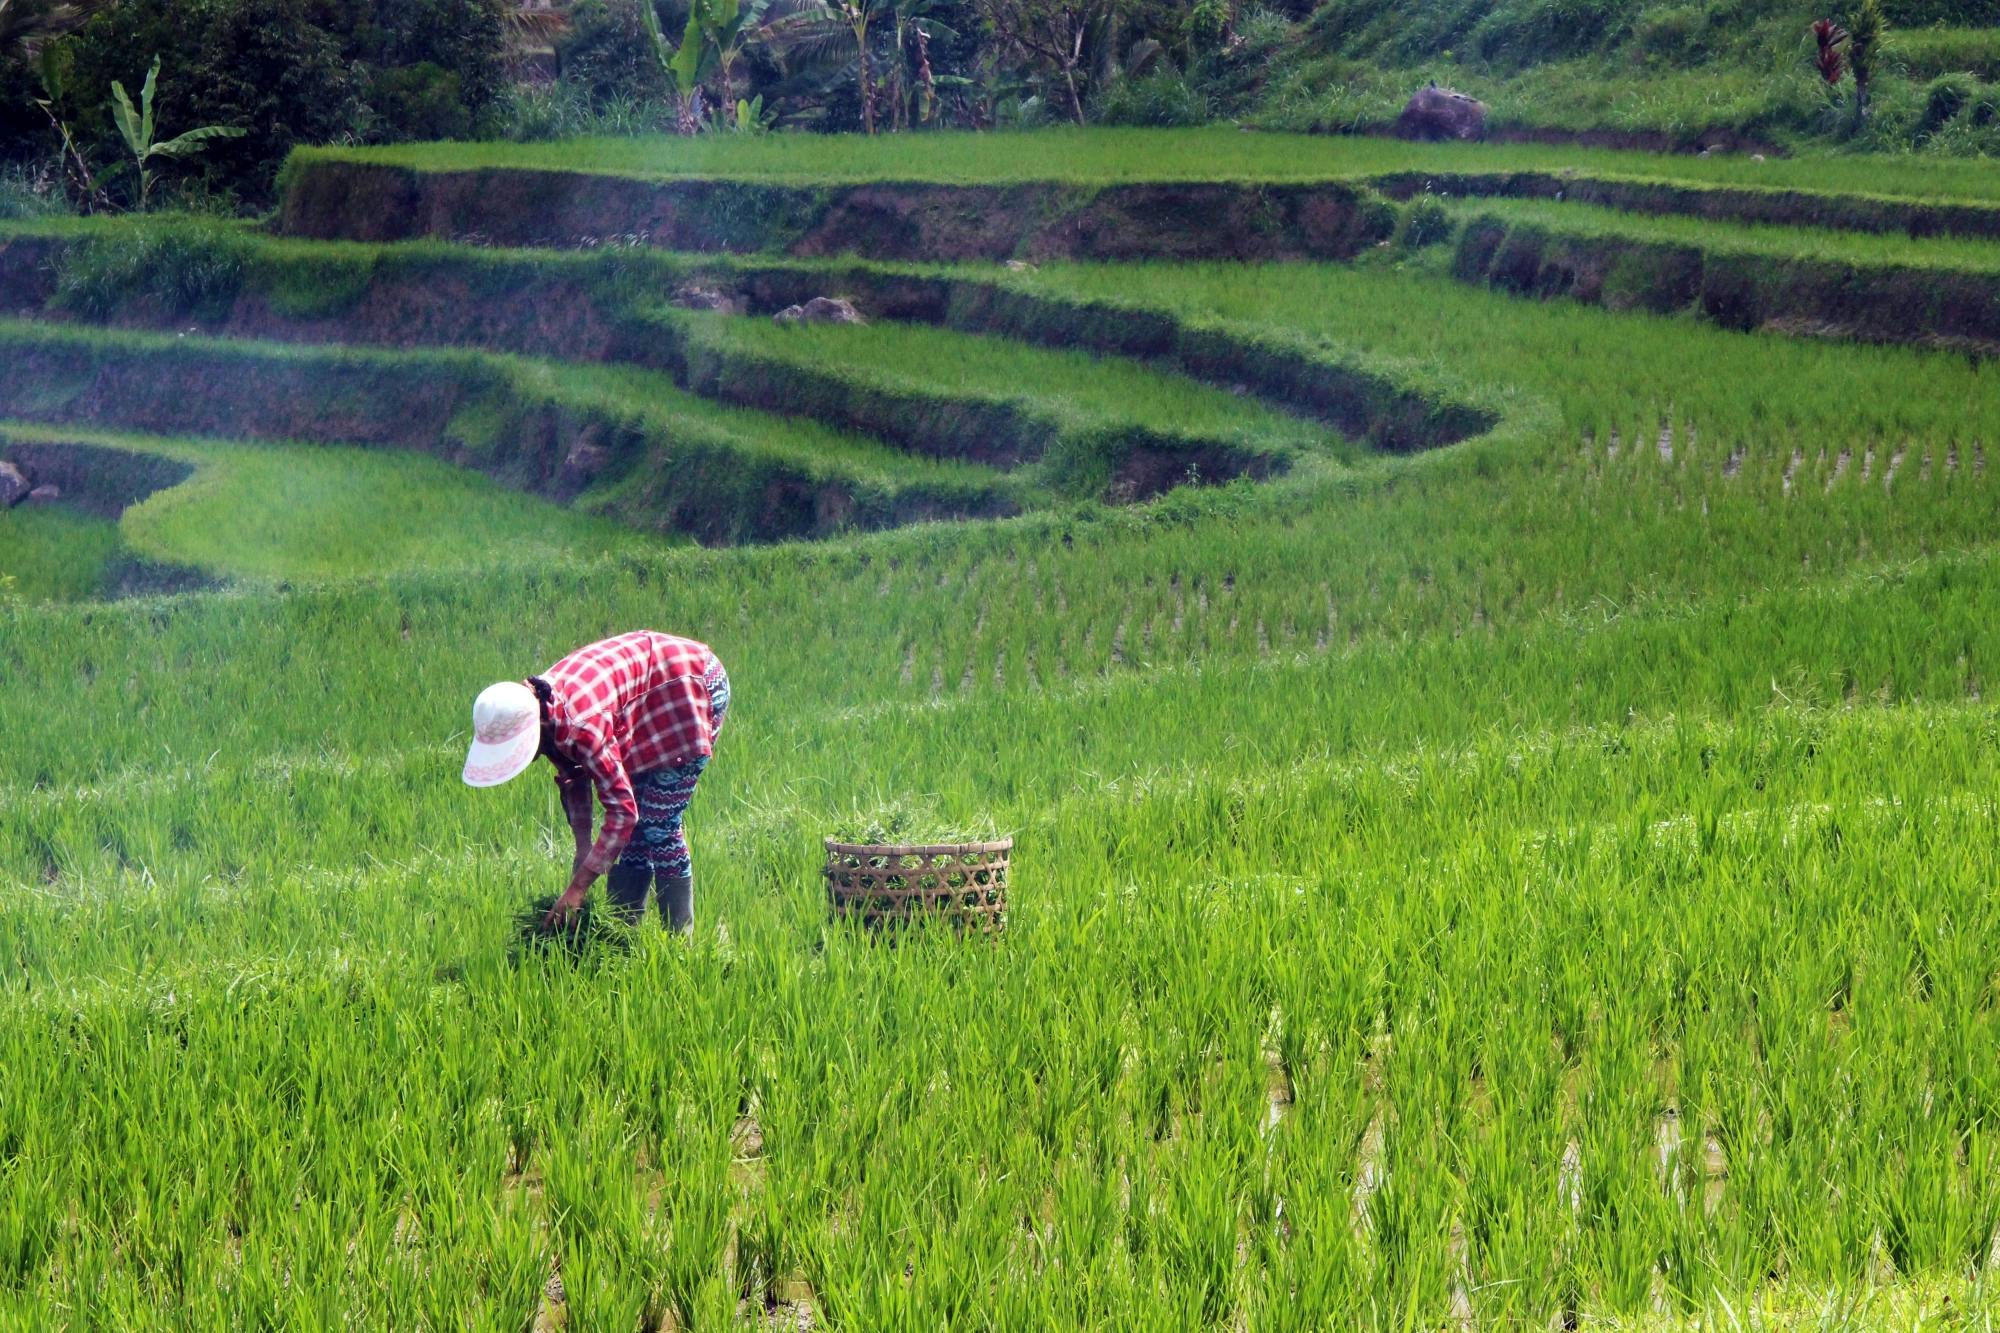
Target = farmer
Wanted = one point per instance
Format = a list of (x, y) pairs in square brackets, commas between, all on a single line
[(635, 717)]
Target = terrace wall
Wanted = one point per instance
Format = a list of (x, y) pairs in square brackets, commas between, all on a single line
[(1738, 290), (337, 199)]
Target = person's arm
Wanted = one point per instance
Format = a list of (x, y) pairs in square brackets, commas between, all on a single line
[(606, 764), (573, 783)]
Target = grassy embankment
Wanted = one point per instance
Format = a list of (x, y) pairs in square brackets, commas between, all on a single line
[(1059, 424), (270, 512), (1667, 74)]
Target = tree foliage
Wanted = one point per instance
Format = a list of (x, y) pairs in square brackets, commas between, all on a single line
[(1065, 41), (287, 71)]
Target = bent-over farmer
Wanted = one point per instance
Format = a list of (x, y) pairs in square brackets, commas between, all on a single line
[(635, 718)]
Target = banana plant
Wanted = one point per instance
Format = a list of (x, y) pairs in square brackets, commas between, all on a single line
[(714, 36), (136, 128), (750, 116)]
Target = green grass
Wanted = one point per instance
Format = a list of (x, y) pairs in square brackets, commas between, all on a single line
[(1678, 72), (1074, 387), (1555, 870), (55, 554), (813, 448), (1597, 369), (307, 512), (694, 451), (1924, 53), (1064, 400), (1106, 156)]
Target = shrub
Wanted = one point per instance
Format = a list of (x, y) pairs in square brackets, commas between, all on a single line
[(188, 267), (1426, 222), (1264, 30), (1523, 32), (1964, 138), (1946, 96), (1924, 54), (1675, 34), (562, 111), (423, 101), (461, 40), (256, 64), (1163, 97), (1950, 13), (291, 72), (1951, 98), (1375, 219), (28, 192), (608, 55)]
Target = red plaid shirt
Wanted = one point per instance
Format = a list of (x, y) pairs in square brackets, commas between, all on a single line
[(626, 705)]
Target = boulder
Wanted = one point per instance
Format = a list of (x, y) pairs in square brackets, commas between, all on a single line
[(692, 297), (821, 310), (44, 495), (14, 485), (1440, 113)]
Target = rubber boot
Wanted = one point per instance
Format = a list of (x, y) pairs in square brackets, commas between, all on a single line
[(676, 898), (625, 886)]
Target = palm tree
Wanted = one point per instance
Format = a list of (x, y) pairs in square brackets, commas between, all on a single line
[(814, 28), (28, 25), (532, 25)]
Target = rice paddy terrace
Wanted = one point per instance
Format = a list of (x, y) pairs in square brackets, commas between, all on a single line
[(1483, 651)]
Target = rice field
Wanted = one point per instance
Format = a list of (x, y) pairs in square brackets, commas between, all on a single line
[(1108, 156), (1937, 253), (1543, 880)]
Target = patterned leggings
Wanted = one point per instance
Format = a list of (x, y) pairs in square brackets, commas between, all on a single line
[(659, 843)]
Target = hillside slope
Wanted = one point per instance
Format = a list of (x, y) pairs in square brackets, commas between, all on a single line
[(1659, 74)]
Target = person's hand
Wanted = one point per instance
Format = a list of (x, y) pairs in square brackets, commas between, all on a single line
[(571, 900)]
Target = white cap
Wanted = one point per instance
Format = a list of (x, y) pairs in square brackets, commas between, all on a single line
[(506, 734)]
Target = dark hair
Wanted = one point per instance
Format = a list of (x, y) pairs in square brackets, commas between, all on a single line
[(543, 690)]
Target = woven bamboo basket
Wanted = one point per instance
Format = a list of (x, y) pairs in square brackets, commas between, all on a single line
[(964, 883)]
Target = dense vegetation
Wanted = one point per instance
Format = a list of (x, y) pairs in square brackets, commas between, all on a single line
[(1542, 879), (1729, 73), (291, 72)]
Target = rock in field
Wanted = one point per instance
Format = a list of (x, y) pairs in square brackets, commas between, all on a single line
[(44, 495), (14, 485), (693, 297), (821, 310), (1440, 113)]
